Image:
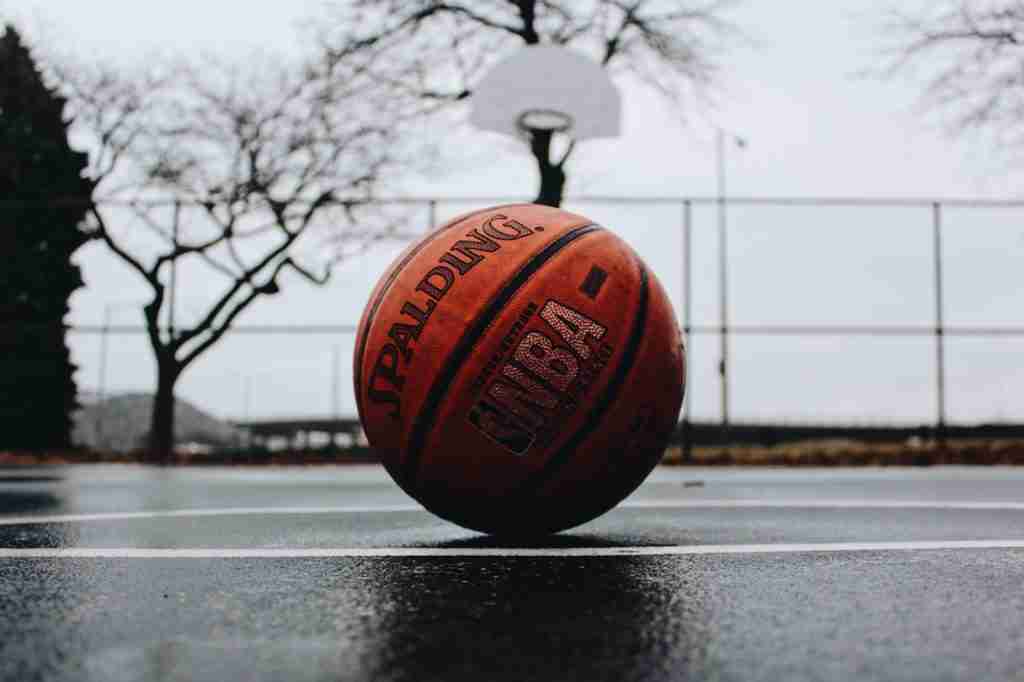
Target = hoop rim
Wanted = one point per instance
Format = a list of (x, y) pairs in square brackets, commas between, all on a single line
[(560, 121)]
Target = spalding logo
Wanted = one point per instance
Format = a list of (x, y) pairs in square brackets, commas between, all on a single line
[(535, 389), (387, 378)]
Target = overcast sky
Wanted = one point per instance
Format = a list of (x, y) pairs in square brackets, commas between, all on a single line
[(814, 129)]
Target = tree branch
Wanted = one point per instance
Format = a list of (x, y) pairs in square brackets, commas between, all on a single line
[(973, 61), (121, 253), (269, 288)]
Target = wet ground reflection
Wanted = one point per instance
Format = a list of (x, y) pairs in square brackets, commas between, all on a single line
[(388, 619), (13, 501), (593, 619)]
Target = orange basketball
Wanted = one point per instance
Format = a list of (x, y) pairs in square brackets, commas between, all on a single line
[(519, 370)]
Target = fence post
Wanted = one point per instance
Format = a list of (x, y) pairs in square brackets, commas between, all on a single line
[(723, 312), (687, 281), (335, 396), (940, 339), (174, 269), (432, 214), (101, 391)]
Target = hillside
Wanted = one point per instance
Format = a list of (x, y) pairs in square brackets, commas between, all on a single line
[(121, 422)]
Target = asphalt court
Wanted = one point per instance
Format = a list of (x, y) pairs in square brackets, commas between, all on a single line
[(328, 573)]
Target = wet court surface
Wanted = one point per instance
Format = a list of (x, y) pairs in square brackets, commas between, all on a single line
[(126, 573)]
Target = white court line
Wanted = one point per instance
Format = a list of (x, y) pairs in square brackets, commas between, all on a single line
[(449, 552), (638, 504), (184, 513)]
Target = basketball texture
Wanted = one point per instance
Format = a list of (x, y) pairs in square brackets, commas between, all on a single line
[(519, 370)]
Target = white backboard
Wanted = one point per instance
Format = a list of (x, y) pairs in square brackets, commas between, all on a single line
[(548, 78)]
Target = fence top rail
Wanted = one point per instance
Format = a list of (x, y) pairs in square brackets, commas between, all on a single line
[(745, 329), (868, 202)]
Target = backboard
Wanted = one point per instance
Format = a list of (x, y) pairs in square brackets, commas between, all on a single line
[(547, 87)]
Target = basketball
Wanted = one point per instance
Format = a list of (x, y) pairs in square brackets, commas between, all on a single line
[(519, 370)]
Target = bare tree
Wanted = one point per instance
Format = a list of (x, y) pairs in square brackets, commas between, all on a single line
[(438, 51), (970, 58), (231, 167)]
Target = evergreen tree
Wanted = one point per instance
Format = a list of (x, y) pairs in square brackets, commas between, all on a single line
[(43, 200)]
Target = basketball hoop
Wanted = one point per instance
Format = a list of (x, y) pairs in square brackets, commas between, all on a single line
[(544, 120), (547, 88)]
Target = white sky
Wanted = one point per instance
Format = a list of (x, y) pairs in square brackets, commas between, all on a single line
[(814, 129)]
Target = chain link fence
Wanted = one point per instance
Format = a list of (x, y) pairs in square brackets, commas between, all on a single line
[(796, 311)]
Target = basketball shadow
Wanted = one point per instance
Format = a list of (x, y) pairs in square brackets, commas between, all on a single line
[(557, 541)]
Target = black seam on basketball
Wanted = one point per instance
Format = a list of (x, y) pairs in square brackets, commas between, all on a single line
[(428, 410), (395, 272), (565, 453)]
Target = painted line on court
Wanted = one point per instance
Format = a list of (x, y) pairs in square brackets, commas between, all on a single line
[(189, 513), (463, 552), (638, 504)]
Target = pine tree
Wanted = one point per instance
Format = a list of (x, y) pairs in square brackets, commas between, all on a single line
[(43, 200)]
